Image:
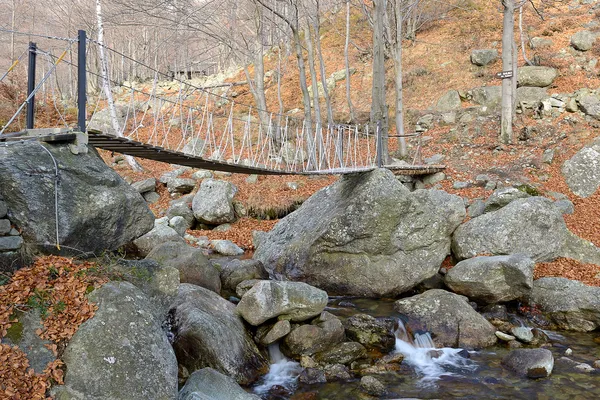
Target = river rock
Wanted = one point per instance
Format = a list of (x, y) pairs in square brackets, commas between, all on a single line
[(227, 248), (181, 185), (161, 233), (306, 340), (97, 209), (209, 333), (583, 40), (503, 197), (365, 235), (533, 226), (122, 352), (213, 203), (192, 264), (209, 384), (536, 76), (236, 271), (484, 56), (271, 334), (373, 333), (179, 224), (570, 304), (492, 279), (295, 301), (182, 207), (372, 386), (145, 185), (342, 353), (532, 363), (310, 376), (449, 318), (505, 337), (582, 171), (522, 333)]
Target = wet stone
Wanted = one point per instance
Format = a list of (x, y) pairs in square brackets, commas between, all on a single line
[(8, 243), (4, 227)]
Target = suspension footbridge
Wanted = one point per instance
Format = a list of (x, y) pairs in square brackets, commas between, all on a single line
[(185, 124)]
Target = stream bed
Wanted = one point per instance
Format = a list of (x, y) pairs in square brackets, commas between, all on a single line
[(449, 375)]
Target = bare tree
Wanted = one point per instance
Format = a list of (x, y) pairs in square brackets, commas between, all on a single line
[(508, 64), (379, 111), (347, 63)]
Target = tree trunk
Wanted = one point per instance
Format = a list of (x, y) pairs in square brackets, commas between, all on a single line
[(347, 63), (318, 149), (508, 94), (398, 80), (379, 111), (106, 85), (317, 26)]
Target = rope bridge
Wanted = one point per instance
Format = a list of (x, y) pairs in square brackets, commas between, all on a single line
[(179, 122)]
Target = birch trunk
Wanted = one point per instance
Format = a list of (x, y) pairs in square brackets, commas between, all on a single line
[(347, 63), (106, 85), (506, 132), (398, 80)]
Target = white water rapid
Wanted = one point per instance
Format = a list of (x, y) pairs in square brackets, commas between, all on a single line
[(282, 372), (427, 361)]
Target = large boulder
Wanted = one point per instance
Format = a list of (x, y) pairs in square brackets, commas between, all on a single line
[(536, 76), (95, 209), (502, 197), (295, 301), (533, 226), (365, 235), (570, 304), (373, 333), (192, 264), (450, 101), (209, 384), (492, 279), (122, 352), (213, 203), (532, 363), (236, 271), (306, 340), (160, 234), (483, 57), (590, 105), (583, 40), (531, 97), (210, 333), (582, 171), (449, 318), (182, 207), (102, 120), (488, 96)]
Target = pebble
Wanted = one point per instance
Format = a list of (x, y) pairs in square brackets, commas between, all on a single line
[(504, 336), (522, 333), (568, 352)]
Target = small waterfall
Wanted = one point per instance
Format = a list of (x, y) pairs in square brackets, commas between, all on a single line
[(282, 372), (428, 362)]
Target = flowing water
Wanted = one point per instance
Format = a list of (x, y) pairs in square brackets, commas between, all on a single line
[(430, 373)]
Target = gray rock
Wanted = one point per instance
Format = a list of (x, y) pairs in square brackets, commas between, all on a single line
[(211, 334), (237, 271), (307, 340), (582, 171), (461, 185), (425, 122), (548, 156), (565, 206), (145, 185), (182, 207), (276, 332), (484, 56), (342, 353), (523, 334), (532, 363), (179, 224), (432, 179), (213, 203), (530, 97), (492, 279), (310, 376), (102, 120), (209, 384), (373, 333), (337, 372), (10, 243), (503, 336), (450, 101), (583, 40), (434, 159), (30, 343), (295, 301), (244, 286), (192, 264), (448, 317), (160, 234), (476, 209), (570, 304), (202, 174), (97, 209), (227, 248), (540, 43), (252, 179), (169, 175), (194, 146), (488, 96), (4, 227), (181, 185), (536, 76), (365, 235), (503, 197), (590, 105), (372, 386), (122, 352), (151, 197), (533, 226), (3, 209)]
